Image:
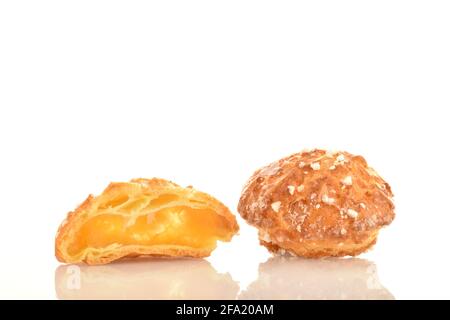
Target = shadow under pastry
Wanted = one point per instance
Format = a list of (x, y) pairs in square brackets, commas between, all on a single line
[(146, 279), (291, 278)]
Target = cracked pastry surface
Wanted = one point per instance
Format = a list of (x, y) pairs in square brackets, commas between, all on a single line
[(317, 204), (144, 217)]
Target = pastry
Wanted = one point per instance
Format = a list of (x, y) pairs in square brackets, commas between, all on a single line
[(317, 204), (144, 217)]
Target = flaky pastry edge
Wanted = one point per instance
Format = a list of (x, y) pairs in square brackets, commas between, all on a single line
[(156, 187)]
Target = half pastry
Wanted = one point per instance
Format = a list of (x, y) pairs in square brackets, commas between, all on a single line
[(144, 217)]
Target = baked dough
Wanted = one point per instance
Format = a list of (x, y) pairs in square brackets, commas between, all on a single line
[(317, 204), (151, 217)]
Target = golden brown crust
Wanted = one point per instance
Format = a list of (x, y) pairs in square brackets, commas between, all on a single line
[(118, 192), (317, 203)]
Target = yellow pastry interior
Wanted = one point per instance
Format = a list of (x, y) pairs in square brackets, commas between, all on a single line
[(178, 225), (137, 218)]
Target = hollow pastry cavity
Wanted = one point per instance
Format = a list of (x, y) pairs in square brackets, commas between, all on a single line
[(144, 217), (317, 204)]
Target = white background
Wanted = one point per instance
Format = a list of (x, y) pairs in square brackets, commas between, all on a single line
[(204, 93)]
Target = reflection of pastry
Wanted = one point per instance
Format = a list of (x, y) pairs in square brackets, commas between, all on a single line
[(144, 279), (144, 217), (325, 279), (317, 204)]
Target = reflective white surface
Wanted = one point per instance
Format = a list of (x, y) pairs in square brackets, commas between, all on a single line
[(145, 279), (328, 279), (278, 278)]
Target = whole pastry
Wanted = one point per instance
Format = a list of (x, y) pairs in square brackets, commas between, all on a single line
[(317, 204)]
